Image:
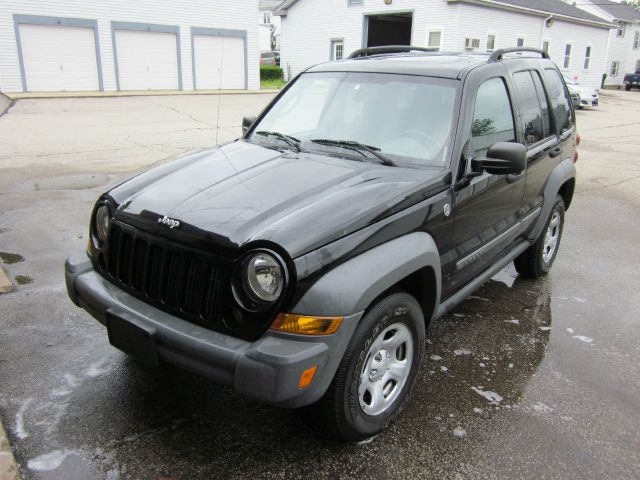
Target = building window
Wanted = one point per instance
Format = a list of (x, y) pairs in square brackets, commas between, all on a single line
[(567, 56), (545, 46), (637, 66), (621, 29), (636, 40), (520, 41), (266, 17), (587, 57), (434, 39), (615, 66), (491, 42), (337, 49), (354, 2)]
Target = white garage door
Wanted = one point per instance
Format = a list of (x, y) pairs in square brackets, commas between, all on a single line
[(59, 58), (146, 60), (219, 62)]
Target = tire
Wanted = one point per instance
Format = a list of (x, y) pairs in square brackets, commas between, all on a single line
[(348, 408), (627, 88), (538, 259)]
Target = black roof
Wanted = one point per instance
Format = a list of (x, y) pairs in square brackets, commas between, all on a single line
[(553, 6), (436, 64), (619, 10)]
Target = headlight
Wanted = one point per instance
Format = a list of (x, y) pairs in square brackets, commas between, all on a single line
[(102, 222), (264, 277)]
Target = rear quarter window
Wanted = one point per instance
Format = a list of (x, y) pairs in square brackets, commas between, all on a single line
[(530, 110), (562, 111)]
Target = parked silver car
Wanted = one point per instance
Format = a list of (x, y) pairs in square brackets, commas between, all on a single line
[(588, 97)]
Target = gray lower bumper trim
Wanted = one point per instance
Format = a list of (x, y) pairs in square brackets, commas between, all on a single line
[(268, 369)]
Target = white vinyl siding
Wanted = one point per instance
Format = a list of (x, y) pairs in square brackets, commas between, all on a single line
[(235, 15), (305, 41), (219, 62), (59, 58), (146, 60)]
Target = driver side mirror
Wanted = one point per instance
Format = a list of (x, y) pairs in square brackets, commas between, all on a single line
[(503, 158), (247, 122)]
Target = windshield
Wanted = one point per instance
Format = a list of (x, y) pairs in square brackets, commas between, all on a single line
[(405, 119)]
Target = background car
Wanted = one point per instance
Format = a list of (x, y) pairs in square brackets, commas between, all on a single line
[(276, 55), (632, 80), (587, 97), (267, 58)]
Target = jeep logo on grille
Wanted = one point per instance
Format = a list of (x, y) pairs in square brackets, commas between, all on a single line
[(169, 222)]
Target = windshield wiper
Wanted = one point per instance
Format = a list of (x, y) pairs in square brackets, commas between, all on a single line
[(356, 146), (288, 139)]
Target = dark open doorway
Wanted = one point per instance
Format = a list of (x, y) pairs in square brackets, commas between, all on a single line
[(392, 29)]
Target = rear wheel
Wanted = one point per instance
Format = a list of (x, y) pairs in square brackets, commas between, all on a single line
[(538, 259), (376, 375)]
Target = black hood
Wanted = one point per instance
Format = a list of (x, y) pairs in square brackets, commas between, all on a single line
[(241, 193)]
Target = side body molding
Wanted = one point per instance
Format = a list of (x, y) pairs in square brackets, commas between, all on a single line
[(352, 286), (564, 171)]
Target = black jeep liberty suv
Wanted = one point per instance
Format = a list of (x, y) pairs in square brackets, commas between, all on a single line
[(303, 262)]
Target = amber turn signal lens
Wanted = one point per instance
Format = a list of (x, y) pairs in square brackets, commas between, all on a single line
[(307, 377), (305, 325)]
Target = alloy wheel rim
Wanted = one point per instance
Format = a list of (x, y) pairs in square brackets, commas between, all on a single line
[(386, 369), (551, 238)]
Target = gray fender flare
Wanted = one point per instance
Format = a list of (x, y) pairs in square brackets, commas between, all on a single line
[(352, 286), (564, 171)]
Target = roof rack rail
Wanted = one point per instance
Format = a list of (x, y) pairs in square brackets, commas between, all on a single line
[(365, 52), (497, 55)]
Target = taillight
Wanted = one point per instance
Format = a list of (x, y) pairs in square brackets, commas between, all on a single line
[(577, 139), (575, 155)]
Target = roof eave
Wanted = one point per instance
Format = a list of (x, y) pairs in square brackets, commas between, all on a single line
[(533, 11)]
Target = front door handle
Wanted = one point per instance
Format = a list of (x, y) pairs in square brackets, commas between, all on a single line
[(555, 152)]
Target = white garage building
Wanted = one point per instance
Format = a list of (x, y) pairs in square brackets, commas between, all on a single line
[(76, 45), (319, 31)]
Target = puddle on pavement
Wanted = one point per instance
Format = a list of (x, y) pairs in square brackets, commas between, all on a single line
[(73, 182), (481, 356), (10, 258), (478, 363), (23, 279)]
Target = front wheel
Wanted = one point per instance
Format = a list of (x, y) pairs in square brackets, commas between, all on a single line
[(376, 374), (627, 87), (537, 260)]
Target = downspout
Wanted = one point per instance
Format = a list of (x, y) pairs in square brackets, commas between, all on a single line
[(544, 24)]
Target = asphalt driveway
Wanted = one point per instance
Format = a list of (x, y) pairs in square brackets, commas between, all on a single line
[(526, 379)]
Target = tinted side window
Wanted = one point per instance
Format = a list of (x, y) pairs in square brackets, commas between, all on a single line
[(542, 99), (561, 103), (529, 107), (492, 117)]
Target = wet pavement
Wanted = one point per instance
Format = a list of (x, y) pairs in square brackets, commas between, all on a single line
[(525, 379)]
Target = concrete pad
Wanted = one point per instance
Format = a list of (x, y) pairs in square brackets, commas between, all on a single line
[(5, 284), (133, 93), (8, 467)]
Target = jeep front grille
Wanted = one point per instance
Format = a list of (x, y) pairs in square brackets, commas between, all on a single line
[(185, 282)]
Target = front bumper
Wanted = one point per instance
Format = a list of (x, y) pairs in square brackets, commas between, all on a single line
[(268, 369), (589, 101)]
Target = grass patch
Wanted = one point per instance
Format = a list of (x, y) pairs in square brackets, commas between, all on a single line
[(272, 84)]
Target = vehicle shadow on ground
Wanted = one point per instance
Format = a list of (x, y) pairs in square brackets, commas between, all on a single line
[(478, 361)]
